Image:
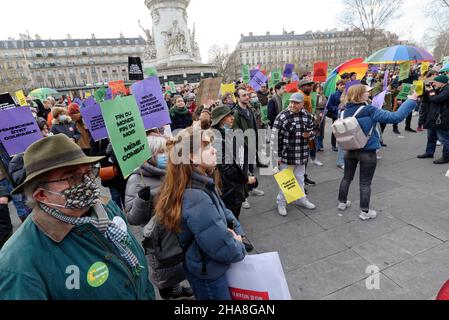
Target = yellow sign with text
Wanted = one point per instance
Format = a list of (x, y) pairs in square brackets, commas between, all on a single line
[(21, 98), (419, 87), (424, 67), (289, 185), (228, 88)]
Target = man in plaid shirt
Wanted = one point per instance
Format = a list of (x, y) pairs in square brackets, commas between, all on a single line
[(290, 137)]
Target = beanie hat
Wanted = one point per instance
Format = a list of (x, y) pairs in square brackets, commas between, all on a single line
[(74, 109), (441, 78)]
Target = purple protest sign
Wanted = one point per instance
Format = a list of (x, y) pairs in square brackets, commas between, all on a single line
[(253, 72), (258, 80), (386, 79), (108, 94), (288, 71), (18, 130), (378, 101), (374, 69), (89, 102), (78, 101), (295, 77), (93, 118), (352, 83), (149, 98)]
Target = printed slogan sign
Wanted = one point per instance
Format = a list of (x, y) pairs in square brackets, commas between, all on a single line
[(289, 185)]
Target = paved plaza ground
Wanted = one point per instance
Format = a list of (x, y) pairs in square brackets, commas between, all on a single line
[(325, 253)]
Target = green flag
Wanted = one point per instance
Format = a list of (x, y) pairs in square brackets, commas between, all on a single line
[(314, 97), (100, 94), (151, 72), (172, 87), (245, 74), (285, 100), (126, 132), (403, 95), (404, 73), (276, 77), (331, 85)]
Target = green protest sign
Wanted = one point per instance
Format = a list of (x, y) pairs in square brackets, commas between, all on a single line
[(100, 94), (151, 72), (404, 73), (126, 132), (276, 77), (246, 74), (285, 100), (406, 90), (314, 96), (172, 87)]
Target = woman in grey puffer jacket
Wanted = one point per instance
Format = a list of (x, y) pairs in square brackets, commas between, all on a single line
[(141, 190)]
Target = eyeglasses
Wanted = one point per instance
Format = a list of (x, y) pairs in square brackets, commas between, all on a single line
[(77, 178)]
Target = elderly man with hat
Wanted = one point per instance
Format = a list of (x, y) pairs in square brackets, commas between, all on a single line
[(234, 180), (74, 246), (292, 131), (437, 121)]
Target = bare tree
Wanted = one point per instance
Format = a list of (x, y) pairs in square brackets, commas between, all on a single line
[(437, 34), (219, 56), (370, 17)]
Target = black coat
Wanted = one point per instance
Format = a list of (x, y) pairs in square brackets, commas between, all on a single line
[(438, 114), (233, 179), (69, 129), (17, 170)]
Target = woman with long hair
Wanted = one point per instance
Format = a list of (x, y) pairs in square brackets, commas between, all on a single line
[(188, 204), (368, 118)]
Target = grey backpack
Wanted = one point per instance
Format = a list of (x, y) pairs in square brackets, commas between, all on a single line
[(348, 132)]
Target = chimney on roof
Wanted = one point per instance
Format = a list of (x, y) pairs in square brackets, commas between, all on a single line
[(93, 36), (69, 37)]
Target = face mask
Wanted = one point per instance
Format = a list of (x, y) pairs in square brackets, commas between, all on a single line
[(369, 79), (80, 196), (162, 161), (227, 127), (63, 118), (254, 100)]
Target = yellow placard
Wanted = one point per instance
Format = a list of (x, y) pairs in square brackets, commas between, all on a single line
[(225, 88), (424, 67), (21, 97), (419, 87), (87, 95), (289, 185)]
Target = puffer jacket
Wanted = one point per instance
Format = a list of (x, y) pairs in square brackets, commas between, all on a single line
[(17, 170), (68, 128), (209, 247), (370, 116), (438, 114), (138, 211)]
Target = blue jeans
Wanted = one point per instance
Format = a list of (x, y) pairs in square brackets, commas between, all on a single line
[(340, 157), (19, 200), (216, 289), (432, 136)]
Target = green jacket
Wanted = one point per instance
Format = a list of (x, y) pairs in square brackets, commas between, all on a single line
[(47, 259)]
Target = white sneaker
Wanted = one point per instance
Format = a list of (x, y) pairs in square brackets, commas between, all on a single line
[(304, 203), (344, 206), (317, 162), (367, 216), (439, 143), (379, 157), (246, 205), (341, 167), (257, 193), (415, 113), (282, 211)]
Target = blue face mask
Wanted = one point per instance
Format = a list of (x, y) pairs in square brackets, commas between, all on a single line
[(227, 127), (162, 161)]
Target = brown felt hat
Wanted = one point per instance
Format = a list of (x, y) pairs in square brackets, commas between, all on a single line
[(52, 153)]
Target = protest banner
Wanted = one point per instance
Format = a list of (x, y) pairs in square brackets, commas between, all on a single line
[(289, 185), (108, 95), (295, 77), (126, 132), (209, 89), (403, 95), (379, 100), (276, 77), (419, 87), (151, 72), (21, 98), (404, 72), (386, 77), (292, 87), (18, 130), (424, 67), (93, 119), (314, 97), (253, 72), (288, 71), (78, 101), (246, 76), (151, 102), (135, 70), (87, 95), (320, 72), (6, 101), (172, 87), (228, 88), (89, 102), (258, 80), (117, 87)]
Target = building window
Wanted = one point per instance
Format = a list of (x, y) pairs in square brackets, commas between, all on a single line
[(66, 44), (77, 43), (43, 44)]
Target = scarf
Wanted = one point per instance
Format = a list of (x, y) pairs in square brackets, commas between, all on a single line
[(110, 230), (176, 111)]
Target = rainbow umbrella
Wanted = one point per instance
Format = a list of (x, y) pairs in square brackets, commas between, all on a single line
[(399, 54), (445, 68), (354, 65)]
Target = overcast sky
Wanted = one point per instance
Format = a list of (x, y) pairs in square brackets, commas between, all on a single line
[(217, 22)]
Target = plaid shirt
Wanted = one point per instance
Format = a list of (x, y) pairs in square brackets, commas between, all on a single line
[(287, 142)]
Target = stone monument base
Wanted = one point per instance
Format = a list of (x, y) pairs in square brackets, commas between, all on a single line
[(183, 72)]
